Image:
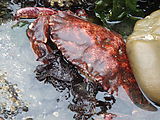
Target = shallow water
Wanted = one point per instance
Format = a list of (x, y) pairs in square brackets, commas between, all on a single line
[(18, 61)]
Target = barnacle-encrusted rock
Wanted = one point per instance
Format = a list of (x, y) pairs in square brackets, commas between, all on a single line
[(10, 100), (143, 48)]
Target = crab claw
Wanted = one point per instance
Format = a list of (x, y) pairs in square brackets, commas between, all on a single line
[(34, 12)]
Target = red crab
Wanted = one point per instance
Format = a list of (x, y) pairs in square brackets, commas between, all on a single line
[(97, 52)]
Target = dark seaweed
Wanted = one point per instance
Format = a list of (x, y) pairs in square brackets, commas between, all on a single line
[(148, 6), (64, 76), (121, 15)]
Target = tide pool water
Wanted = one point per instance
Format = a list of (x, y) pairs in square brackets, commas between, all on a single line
[(18, 62)]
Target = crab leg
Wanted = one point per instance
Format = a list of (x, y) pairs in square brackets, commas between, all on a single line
[(135, 94), (38, 31), (131, 87), (34, 12), (39, 38)]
